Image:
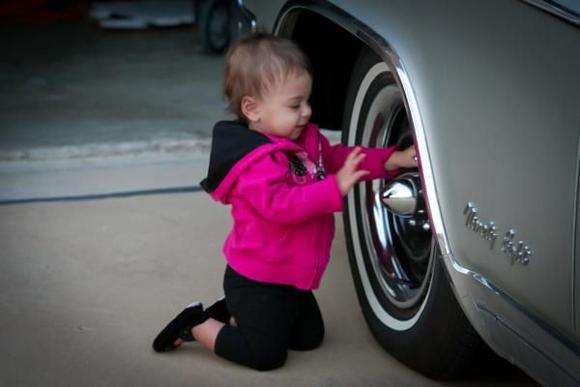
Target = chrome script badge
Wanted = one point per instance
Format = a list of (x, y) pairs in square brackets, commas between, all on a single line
[(517, 251)]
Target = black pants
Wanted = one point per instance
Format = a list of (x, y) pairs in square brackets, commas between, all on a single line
[(271, 319)]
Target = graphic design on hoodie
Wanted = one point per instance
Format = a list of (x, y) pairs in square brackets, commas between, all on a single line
[(302, 168)]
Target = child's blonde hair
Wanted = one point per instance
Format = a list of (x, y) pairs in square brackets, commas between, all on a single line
[(257, 62)]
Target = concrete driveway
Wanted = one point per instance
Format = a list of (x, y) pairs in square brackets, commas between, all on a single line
[(86, 285)]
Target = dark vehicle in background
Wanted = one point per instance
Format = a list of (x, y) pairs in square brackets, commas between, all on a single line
[(481, 245), (220, 22), (215, 20), (215, 24)]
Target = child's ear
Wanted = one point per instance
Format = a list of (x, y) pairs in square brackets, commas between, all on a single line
[(250, 108)]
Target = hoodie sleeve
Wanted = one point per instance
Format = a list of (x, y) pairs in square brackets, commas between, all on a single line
[(264, 185), (334, 157)]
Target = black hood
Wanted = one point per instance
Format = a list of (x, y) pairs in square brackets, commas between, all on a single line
[(231, 141)]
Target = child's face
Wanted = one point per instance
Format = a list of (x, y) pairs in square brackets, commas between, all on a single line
[(284, 109)]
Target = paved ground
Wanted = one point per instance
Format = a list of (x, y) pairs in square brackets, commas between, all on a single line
[(85, 286)]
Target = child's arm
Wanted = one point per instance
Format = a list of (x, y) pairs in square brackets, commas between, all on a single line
[(379, 162), (352, 170), (264, 185), (402, 159), (334, 157)]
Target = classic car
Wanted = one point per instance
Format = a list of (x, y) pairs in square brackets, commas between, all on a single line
[(479, 247)]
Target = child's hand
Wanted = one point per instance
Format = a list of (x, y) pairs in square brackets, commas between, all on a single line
[(349, 174), (402, 159)]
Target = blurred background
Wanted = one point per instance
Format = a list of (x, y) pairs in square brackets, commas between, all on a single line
[(86, 78)]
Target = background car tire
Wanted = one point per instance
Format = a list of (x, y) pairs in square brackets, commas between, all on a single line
[(411, 310), (214, 25)]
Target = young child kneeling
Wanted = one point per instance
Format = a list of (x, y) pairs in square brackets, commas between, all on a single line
[(284, 182)]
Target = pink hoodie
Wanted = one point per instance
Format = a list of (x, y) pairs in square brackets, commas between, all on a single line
[(283, 223)]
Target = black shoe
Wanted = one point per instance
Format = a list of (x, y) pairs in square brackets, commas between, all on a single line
[(180, 327), (219, 311)]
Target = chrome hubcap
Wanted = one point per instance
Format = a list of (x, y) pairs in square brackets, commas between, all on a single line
[(400, 196), (403, 197), (398, 235)]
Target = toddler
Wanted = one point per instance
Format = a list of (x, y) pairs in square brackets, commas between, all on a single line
[(283, 181)]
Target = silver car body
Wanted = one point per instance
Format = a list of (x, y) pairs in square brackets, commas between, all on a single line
[(493, 93)]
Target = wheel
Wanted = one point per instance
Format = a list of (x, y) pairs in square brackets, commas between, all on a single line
[(396, 264), (214, 25)]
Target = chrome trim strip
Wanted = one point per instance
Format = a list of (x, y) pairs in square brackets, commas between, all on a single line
[(575, 263), (380, 46), (556, 10)]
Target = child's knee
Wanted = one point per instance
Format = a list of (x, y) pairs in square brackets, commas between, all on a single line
[(268, 360), (310, 341)]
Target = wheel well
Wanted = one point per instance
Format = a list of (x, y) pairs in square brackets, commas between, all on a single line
[(333, 52)]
